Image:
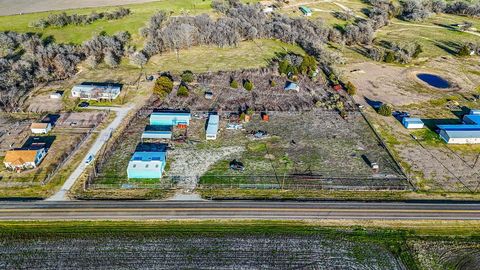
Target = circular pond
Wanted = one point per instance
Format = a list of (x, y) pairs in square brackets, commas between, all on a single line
[(434, 80)]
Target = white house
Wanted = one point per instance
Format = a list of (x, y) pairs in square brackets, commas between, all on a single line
[(24, 159), (212, 127), (96, 91), (40, 128)]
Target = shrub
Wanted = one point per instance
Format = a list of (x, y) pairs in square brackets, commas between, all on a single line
[(163, 85), (464, 51), (390, 57), (248, 85), (272, 83), (234, 84), (385, 110), (309, 64), (182, 91), (351, 88), (250, 111), (283, 67), (187, 76)]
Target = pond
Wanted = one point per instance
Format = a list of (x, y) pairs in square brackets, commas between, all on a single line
[(434, 80)]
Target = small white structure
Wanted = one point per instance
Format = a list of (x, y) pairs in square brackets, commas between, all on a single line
[(55, 96), (412, 123), (268, 9), (212, 127), (40, 128)]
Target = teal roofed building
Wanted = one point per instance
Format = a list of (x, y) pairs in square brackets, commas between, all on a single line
[(170, 118), (147, 165), (305, 10)]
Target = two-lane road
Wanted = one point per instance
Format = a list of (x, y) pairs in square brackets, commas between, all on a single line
[(156, 210)]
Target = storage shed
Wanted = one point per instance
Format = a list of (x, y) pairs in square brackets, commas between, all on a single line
[(170, 118), (412, 123), (291, 86), (212, 127), (157, 132), (40, 128), (305, 10)]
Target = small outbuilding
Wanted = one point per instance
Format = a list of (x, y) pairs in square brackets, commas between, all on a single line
[(157, 132), (291, 86), (412, 123), (212, 127), (305, 10), (40, 128), (55, 95)]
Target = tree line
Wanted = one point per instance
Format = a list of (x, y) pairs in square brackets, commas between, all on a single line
[(28, 60), (63, 19)]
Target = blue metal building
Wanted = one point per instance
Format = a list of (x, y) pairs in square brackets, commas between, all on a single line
[(147, 165), (170, 118)]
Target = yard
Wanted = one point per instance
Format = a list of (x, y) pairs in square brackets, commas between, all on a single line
[(309, 149), (69, 132)]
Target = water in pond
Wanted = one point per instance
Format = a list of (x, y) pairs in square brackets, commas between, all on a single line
[(434, 80)]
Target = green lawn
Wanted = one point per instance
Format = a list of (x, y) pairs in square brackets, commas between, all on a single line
[(435, 40), (140, 14), (248, 54)]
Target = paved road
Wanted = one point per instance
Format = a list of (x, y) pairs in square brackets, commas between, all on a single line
[(151, 210), (121, 112)]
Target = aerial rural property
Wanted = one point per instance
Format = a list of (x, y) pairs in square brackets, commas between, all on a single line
[(212, 108)]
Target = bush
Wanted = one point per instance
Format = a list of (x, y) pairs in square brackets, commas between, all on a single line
[(182, 91), (248, 85), (351, 88), (464, 51), (283, 67), (390, 57), (187, 76), (272, 83), (234, 84), (385, 110), (309, 64), (163, 86)]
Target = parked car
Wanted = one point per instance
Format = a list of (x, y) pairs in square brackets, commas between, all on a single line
[(236, 165), (89, 159), (83, 104)]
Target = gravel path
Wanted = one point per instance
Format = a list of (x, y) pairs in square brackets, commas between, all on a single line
[(11, 7)]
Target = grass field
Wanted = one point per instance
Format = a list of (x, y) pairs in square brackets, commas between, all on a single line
[(230, 244), (248, 54), (76, 34)]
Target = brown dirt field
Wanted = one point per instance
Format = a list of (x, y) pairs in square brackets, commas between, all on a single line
[(11, 7), (399, 86), (80, 120)]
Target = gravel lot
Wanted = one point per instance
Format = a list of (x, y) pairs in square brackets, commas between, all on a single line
[(11, 7)]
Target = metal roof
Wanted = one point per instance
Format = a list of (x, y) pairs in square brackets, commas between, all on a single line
[(463, 133), (412, 120), (212, 127), (475, 118)]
